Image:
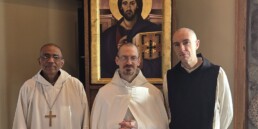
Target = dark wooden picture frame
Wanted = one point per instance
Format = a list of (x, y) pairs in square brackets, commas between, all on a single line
[(240, 80)]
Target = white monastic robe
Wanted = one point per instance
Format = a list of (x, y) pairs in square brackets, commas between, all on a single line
[(223, 111), (144, 101), (70, 106)]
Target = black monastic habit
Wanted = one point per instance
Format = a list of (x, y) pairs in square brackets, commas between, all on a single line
[(192, 96)]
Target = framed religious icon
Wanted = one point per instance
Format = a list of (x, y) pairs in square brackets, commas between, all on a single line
[(145, 23)]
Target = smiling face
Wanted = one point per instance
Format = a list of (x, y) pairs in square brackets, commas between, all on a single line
[(50, 60), (185, 45)]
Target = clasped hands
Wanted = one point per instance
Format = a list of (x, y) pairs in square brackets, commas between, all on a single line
[(127, 124)]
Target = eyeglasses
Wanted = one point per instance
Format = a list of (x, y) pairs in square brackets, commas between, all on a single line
[(48, 56), (126, 58)]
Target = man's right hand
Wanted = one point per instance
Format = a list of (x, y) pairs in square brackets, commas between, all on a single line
[(126, 125)]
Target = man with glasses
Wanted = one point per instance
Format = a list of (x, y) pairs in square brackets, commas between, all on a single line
[(52, 99), (129, 101)]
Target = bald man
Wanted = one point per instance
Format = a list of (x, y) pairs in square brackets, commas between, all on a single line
[(197, 92)]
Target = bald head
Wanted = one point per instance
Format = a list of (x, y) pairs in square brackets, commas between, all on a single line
[(184, 32), (185, 45)]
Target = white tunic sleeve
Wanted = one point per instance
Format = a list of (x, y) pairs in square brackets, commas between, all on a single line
[(224, 101), (165, 92), (95, 113), (25, 94), (85, 107)]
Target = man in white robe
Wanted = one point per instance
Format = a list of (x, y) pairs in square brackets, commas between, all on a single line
[(129, 101), (52, 99)]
